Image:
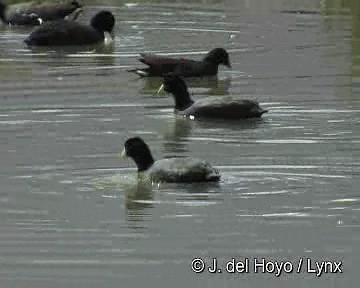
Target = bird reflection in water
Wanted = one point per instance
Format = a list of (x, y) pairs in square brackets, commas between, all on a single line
[(176, 136), (138, 202)]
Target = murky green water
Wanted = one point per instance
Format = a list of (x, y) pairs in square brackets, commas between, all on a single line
[(72, 214)]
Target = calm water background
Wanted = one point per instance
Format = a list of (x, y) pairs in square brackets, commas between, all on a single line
[(73, 215)]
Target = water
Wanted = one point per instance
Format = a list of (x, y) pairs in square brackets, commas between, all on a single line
[(72, 213)]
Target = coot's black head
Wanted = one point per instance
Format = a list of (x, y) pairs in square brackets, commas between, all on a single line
[(139, 151), (177, 87), (103, 21), (174, 84), (218, 56)]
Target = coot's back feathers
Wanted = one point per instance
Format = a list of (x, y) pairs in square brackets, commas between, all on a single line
[(152, 59), (184, 170), (163, 65), (225, 108), (63, 32)]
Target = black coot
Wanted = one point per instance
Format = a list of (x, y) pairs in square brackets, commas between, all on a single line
[(211, 107), (168, 170), (65, 33), (162, 66)]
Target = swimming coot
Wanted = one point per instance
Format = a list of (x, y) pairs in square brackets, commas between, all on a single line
[(35, 14), (168, 170), (18, 18), (65, 32), (212, 107), (53, 11), (162, 65)]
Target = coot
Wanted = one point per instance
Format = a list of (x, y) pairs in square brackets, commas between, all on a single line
[(65, 32), (168, 170), (212, 107), (17, 18), (162, 65), (35, 14)]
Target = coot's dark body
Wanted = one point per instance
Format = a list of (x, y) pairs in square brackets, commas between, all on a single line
[(64, 32), (224, 107), (162, 65)]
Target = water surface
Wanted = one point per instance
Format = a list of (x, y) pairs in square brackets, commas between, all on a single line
[(73, 215)]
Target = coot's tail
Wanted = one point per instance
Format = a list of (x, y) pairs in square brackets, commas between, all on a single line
[(257, 111), (261, 111)]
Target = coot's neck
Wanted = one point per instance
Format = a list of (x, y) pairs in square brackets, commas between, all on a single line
[(96, 25), (211, 65), (211, 59), (100, 31), (143, 161), (182, 99)]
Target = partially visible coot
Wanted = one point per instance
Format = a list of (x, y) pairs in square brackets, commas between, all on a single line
[(168, 170), (53, 11), (68, 33), (35, 14), (162, 66), (18, 18), (212, 107)]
